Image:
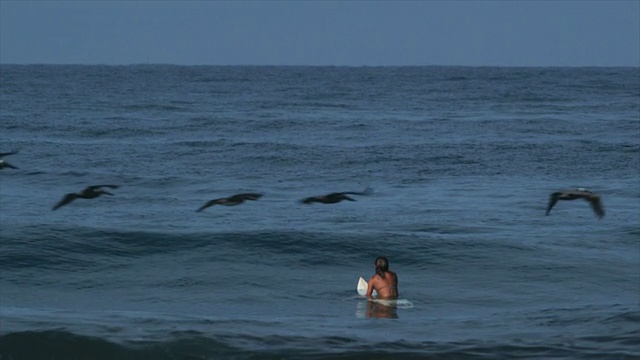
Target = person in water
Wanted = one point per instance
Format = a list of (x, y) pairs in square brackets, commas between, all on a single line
[(385, 282)]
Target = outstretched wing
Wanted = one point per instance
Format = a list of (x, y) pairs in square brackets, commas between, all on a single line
[(309, 200), (64, 201), (8, 153), (553, 199), (345, 197), (245, 196), (596, 205), (4, 164), (209, 203)]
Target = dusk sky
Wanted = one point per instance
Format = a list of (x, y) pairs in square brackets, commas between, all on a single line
[(341, 33)]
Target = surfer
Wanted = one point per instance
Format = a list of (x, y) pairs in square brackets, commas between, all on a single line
[(335, 197), (580, 193), (90, 192), (385, 282)]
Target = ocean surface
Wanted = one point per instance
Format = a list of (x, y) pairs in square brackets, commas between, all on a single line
[(460, 163)]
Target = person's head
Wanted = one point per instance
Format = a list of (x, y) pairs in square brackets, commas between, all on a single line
[(382, 265)]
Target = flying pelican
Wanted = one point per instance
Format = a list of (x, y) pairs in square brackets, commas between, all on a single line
[(89, 192), (580, 193), (335, 197), (231, 200)]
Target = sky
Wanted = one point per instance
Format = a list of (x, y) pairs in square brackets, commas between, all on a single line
[(334, 33)]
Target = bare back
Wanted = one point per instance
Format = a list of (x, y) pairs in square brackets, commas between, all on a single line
[(387, 286)]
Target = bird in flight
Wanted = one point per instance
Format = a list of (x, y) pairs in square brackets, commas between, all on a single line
[(335, 197), (580, 193), (89, 192), (231, 200)]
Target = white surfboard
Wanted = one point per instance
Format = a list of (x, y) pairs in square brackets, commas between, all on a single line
[(362, 287)]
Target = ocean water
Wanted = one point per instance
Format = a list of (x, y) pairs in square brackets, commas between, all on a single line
[(461, 162)]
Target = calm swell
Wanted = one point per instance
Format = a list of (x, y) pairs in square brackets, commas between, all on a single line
[(461, 162)]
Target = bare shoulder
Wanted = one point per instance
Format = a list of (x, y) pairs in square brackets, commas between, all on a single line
[(375, 278)]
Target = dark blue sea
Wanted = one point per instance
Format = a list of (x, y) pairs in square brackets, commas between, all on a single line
[(460, 163)]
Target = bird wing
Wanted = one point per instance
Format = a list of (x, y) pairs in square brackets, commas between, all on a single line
[(245, 196), (553, 199), (65, 200), (91, 190), (596, 205), (334, 198), (309, 200), (210, 203), (6, 164), (8, 153)]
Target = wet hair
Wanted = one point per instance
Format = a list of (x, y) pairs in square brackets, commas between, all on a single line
[(382, 265)]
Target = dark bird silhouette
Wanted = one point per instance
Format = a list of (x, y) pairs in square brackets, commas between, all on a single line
[(3, 163), (335, 197), (231, 200), (580, 193), (89, 192)]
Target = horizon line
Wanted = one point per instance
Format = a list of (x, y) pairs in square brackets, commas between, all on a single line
[(318, 66)]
